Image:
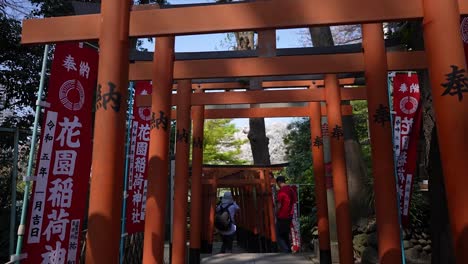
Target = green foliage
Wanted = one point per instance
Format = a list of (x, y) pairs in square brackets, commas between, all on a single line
[(300, 171), (19, 66), (297, 143), (219, 144)]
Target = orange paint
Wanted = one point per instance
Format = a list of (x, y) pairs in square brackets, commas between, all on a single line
[(340, 182), (319, 175), (443, 43), (109, 134), (179, 232), (153, 245), (196, 185), (386, 205)]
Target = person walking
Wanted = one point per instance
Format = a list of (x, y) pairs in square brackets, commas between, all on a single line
[(225, 221), (286, 199)]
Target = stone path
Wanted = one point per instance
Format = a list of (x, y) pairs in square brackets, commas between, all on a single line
[(257, 258), (240, 257)]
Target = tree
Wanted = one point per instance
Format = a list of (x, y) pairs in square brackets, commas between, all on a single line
[(355, 166), (19, 67), (257, 134), (219, 143)]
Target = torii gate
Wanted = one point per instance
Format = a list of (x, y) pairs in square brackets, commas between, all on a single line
[(115, 24)]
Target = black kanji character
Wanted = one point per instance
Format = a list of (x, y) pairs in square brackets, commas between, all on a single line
[(35, 232), (337, 132), (318, 142), (38, 205), (382, 115), (43, 171), (182, 136), (162, 121), (457, 83), (198, 143), (36, 219), (45, 156), (48, 138), (50, 125), (72, 245), (112, 96)]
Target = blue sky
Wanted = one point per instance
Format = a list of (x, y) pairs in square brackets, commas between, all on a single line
[(289, 38)]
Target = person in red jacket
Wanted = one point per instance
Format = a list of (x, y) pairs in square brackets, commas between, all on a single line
[(286, 199)]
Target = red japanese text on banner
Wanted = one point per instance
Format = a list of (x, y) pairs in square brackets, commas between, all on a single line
[(58, 202), (295, 223), (407, 123), (464, 31), (138, 163)]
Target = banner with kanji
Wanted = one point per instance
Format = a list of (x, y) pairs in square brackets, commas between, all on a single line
[(138, 163), (406, 130), (464, 32), (58, 201), (295, 223)]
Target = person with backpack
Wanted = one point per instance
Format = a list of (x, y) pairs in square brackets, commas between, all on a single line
[(286, 199), (225, 221)]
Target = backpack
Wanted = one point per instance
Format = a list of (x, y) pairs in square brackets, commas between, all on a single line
[(223, 219)]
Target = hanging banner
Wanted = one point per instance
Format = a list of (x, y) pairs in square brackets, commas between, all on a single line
[(464, 32), (295, 223), (138, 163), (406, 126), (58, 202)]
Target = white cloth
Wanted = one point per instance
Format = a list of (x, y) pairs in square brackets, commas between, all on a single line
[(232, 212)]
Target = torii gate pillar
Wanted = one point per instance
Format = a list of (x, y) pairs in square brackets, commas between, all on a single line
[(179, 232), (447, 68), (109, 135), (153, 245), (196, 184), (340, 181), (320, 182), (386, 205)]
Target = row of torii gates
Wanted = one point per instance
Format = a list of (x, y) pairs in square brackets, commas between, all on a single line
[(118, 21), (251, 189)]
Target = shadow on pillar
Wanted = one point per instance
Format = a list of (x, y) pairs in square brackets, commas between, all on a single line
[(194, 256)]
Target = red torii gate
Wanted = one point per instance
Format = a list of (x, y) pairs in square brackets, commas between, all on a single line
[(115, 24)]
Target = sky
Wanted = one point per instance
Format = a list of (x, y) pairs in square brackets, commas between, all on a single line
[(288, 38)]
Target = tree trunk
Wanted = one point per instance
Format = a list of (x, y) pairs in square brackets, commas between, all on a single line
[(355, 165), (431, 168)]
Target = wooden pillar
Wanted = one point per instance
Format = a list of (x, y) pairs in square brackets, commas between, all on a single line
[(158, 174), (213, 200), (109, 135), (320, 182), (271, 213), (205, 218), (447, 68), (266, 239), (386, 205), (179, 232), (340, 182), (196, 194)]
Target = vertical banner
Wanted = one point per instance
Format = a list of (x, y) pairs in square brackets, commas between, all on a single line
[(58, 203), (295, 223), (138, 163), (406, 130), (464, 32)]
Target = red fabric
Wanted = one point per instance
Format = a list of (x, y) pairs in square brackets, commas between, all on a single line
[(286, 199), (138, 163), (407, 123), (58, 201)]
